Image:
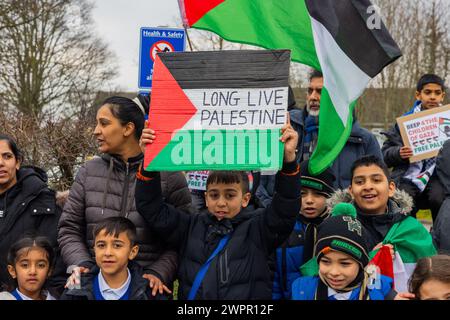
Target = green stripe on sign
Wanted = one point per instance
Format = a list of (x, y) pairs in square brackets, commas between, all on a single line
[(221, 150), (264, 23)]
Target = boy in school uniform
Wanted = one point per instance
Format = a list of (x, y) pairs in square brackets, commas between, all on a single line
[(384, 210), (342, 255), (299, 247), (116, 276), (224, 251)]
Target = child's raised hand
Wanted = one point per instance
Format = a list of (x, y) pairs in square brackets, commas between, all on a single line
[(156, 284), (406, 152), (290, 138), (390, 246), (147, 136)]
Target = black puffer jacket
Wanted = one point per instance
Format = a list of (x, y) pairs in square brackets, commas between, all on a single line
[(241, 270), (29, 206), (104, 187)]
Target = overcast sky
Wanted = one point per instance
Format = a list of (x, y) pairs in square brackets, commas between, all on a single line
[(118, 22)]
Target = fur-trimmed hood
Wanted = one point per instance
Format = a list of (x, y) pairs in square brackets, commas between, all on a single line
[(401, 202)]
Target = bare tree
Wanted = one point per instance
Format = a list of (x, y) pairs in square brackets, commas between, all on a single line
[(51, 56), (52, 66), (420, 27)]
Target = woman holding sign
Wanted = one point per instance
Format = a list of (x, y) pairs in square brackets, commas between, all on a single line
[(104, 187)]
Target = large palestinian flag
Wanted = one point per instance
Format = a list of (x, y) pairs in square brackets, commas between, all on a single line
[(218, 110), (344, 39)]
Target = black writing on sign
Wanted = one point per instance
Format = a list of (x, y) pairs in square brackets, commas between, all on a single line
[(251, 98)]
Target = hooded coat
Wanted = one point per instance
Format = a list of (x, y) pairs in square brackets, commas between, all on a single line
[(441, 227), (28, 207), (104, 187)]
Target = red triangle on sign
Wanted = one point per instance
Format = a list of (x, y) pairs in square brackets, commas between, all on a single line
[(196, 9), (170, 110)]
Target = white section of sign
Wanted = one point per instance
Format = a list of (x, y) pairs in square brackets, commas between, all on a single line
[(238, 109)]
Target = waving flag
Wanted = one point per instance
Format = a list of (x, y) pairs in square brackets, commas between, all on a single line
[(328, 35), (411, 242)]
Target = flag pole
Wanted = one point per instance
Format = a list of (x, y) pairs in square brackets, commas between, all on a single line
[(188, 38), (184, 21)]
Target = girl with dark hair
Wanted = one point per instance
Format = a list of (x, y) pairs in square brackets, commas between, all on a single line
[(30, 263), (104, 187), (26, 205), (431, 278)]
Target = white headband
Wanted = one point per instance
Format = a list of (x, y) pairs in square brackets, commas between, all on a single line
[(136, 100)]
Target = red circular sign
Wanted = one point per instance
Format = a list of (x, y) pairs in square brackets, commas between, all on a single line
[(160, 46)]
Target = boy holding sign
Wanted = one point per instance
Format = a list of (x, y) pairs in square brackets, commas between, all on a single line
[(417, 178), (224, 251)]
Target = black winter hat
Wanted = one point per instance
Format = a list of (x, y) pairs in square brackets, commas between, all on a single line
[(342, 232), (323, 182)]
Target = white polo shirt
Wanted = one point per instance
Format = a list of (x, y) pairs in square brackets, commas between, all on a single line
[(113, 294)]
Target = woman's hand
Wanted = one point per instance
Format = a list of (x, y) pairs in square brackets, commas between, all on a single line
[(147, 137), (156, 284), (73, 282)]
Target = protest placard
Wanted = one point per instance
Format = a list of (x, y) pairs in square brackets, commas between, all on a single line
[(218, 110), (425, 132), (196, 180)]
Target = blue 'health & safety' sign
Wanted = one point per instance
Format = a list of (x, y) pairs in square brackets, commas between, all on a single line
[(153, 41)]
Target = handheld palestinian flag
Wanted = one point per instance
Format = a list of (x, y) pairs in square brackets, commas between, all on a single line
[(344, 39), (220, 110), (411, 242)]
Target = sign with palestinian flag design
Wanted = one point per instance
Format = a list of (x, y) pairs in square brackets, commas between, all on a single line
[(219, 110), (425, 132), (345, 39)]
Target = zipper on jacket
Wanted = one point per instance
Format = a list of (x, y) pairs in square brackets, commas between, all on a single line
[(124, 206), (224, 271)]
